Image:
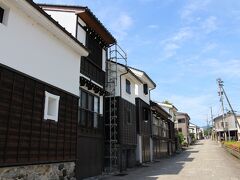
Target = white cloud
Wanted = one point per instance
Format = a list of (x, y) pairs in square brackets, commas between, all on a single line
[(192, 7), (210, 24), (224, 68), (196, 106), (153, 26), (121, 24), (209, 47), (173, 43)]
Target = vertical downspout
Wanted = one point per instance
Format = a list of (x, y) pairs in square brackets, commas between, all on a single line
[(121, 80)]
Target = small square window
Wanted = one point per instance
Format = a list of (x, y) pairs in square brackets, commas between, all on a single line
[(1, 14), (128, 86), (51, 106)]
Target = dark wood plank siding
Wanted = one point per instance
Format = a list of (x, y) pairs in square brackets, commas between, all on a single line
[(91, 70), (25, 137), (127, 132), (90, 151), (95, 46), (89, 156), (143, 127), (146, 148)]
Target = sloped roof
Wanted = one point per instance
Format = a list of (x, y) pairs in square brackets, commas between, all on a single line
[(183, 113), (87, 16), (40, 10), (159, 109), (129, 71), (145, 74)]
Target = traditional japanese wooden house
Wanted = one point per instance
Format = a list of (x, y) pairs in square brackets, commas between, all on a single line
[(85, 26), (125, 111), (143, 116), (162, 132), (39, 93)]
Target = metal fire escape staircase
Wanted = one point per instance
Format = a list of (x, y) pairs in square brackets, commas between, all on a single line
[(115, 55)]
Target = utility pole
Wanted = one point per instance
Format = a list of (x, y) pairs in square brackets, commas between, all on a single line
[(213, 133), (207, 127), (220, 93), (233, 112)]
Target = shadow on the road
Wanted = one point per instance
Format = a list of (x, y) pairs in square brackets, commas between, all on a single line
[(166, 166), (170, 166), (197, 144), (193, 151)]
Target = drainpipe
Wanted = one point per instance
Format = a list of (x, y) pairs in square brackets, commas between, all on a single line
[(149, 100), (151, 146), (121, 80)]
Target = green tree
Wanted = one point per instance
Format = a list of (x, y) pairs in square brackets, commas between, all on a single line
[(192, 136), (167, 102), (180, 138)]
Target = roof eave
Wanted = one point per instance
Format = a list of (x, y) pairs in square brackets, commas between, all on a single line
[(52, 26)]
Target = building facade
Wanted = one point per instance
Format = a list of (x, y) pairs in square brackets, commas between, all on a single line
[(172, 110), (121, 111), (194, 132), (143, 115), (38, 101), (163, 132), (88, 30), (226, 127), (183, 121)]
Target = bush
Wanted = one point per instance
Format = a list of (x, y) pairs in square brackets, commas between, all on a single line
[(192, 136), (180, 138)]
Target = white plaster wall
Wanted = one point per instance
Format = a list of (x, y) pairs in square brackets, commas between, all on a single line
[(104, 58), (231, 123), (139, 149), (125, 95), (229, 119), (81, 22), (81, 35), (30, 48), (66, 19), (144, 97)]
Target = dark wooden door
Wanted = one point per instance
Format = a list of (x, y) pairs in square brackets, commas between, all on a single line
[(89, 157), (146, 148)]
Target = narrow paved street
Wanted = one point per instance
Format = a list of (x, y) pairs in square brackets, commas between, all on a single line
[(206, 161)]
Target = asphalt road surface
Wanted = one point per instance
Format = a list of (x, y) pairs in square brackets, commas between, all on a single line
[(206, 160)]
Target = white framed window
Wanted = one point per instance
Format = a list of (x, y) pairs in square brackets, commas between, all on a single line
[(51, 106), (96, 111), (128, 86)]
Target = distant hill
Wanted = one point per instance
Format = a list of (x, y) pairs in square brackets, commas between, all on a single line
[(205, 127)]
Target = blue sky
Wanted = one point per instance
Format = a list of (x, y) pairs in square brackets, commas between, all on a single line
[(184, 46)]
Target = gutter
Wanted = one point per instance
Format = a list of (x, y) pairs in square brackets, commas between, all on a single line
[(151, 90)]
